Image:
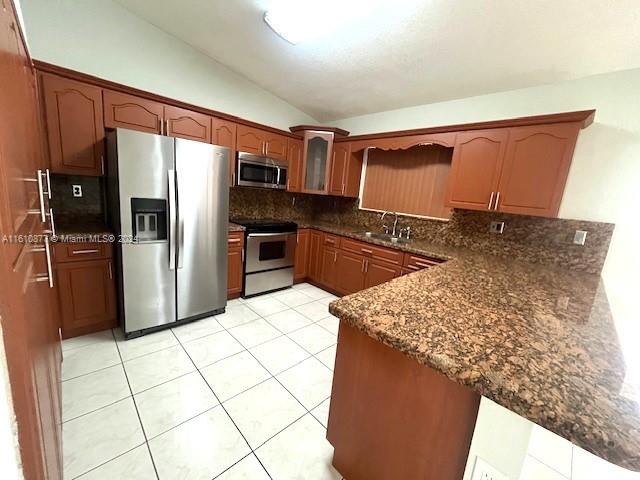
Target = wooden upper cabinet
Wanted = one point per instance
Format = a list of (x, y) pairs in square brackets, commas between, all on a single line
[(75, 130), (250, 140), (346, 168), (339, 161), (294, 160), (261, 142), (223, 133), (352, 174), (275, 145), (535, 169), (182, 123), (475, 168), (318, 152), (135, 113)]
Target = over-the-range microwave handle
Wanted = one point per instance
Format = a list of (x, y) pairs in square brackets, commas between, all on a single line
[(171, 175)]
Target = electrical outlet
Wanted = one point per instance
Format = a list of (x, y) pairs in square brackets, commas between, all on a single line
[(77, 190), (483, 471), (496, 227), (579, 237)]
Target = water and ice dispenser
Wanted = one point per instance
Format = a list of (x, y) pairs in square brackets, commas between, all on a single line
[(149, 219)]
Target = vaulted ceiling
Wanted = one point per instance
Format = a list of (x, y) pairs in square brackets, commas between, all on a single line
[(415, 53)]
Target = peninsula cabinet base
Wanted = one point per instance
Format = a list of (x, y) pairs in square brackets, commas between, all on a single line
[(391, 417)]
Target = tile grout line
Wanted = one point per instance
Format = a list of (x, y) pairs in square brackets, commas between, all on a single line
[(135, 405), (296, 398), (223, 408)]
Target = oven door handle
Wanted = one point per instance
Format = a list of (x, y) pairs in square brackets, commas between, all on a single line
[(251, 235), (278, 177)]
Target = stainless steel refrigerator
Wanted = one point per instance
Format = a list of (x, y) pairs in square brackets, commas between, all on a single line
[(169, 204)]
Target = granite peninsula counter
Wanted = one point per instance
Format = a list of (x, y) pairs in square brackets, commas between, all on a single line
[(538, 340)]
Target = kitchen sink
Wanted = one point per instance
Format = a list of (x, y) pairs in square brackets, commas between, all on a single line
[(387, 237)]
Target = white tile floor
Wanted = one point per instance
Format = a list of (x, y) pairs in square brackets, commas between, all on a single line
[(242, 395), (551, 457)]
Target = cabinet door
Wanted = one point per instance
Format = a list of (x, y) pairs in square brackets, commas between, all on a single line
[(183, 123), (475, 168), (223, 133), (275, 145), (75, 130), (338, 169), (250, 140), (87, 296), (535, 169), (294, 159), (127, 111), (234, 272), (318, 150), (350, 272), (315, 251), (302, 256), (329, 273), (353, 173), (379, 272)]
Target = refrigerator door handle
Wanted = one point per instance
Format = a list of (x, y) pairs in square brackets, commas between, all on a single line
[(171, 175), (180, 228)]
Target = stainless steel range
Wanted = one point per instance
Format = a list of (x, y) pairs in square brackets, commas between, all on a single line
[(270, 252)]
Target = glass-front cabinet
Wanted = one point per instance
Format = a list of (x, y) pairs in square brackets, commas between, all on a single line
[(318, 148)]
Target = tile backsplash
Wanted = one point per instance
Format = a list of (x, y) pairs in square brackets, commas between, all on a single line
[(534, 239)]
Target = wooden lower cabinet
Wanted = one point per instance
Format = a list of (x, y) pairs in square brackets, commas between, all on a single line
[(351, 272), (235, 262), (329, 269), (346, 266), (87, 293), (377, 272), (302, 256), (314, 269)]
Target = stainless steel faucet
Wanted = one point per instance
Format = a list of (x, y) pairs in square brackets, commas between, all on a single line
[(386, 227)]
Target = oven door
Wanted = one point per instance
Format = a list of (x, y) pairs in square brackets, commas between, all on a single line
[(267, 251), (261, 174)]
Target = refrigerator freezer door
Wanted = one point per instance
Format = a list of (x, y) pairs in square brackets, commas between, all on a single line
[(203, 216), (148, 284)]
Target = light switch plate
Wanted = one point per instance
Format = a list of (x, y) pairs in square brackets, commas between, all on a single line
[(482, 470), (77, 190), (579, 237), (496, 227)]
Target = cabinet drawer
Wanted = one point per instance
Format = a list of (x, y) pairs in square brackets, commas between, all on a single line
[(236, 240), (73, 252), (372, 251), (331, 240), (416, 262)]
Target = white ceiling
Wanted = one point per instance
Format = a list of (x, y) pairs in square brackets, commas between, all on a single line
[(424, 52)]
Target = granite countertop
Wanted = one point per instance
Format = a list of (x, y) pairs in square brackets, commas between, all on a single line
[(234, 227), (538, 340)]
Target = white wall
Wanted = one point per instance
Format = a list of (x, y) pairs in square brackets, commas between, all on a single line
[(101, 38)]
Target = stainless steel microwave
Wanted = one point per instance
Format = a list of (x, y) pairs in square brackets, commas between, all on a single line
[(256, 171)]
